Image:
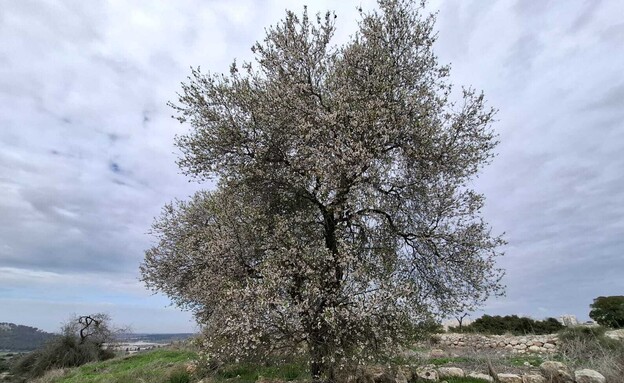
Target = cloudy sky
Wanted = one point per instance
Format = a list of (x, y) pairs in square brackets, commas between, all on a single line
[(87, 157)]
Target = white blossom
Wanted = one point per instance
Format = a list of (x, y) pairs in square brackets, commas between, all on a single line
[(343, 214)]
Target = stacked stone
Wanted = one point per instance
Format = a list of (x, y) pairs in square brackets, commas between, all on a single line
[(514, 344), (549, 372)]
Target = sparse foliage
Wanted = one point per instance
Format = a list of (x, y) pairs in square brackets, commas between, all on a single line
[(344, 212), (460, 320), (608, 311), (95, 328), (80, 342), (588, 347)]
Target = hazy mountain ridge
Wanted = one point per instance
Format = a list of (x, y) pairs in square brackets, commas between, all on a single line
[(14, 337)]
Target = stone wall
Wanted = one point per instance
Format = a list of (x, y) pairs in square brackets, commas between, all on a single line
[(515, 344), (549, 371)]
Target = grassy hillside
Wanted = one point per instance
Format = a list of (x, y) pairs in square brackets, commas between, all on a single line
[(169, 366), (160, 366)]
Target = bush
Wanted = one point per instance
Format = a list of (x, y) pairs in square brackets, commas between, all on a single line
[(61, 352), (608, 311), (498, 325), (425, 330)]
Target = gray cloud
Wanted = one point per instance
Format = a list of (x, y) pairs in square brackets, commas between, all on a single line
[(86, 154)]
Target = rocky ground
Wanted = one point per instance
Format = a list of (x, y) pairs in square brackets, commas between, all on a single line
[(531, 359)]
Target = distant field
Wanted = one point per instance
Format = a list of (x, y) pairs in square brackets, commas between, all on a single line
[(155, 338)]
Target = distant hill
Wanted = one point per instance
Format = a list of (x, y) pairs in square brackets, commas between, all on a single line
[(14, 337)]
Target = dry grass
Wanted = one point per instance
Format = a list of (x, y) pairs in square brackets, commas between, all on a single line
[(51, 376), (589, 348)]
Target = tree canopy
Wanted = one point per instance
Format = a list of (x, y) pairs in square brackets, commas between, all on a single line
[(499, 325), (344, 212), (608, 311)]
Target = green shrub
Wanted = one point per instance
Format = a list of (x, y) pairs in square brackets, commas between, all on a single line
[(425, 330), (61, 352), (608, 311), (498, 325)]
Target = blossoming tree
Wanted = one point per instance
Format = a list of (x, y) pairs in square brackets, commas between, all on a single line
[(343, 213)]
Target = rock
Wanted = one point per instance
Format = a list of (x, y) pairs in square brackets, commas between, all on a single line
[(450, 372), (509, 378), (400, 377), (615, 334), (191, 367), (367, 374), (380, 375), (557, 372), (531, 378), (534, 349), (410, 354), (478, 375), (437, 353), (588, 376), (549, 345), (427, 373)]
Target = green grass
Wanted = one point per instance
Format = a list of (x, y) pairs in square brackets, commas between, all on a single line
[(248, 373), (160, 366), (534, 360)]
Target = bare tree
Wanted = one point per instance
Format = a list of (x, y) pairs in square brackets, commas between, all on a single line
[(95, 328), (344, 211), (460, 319)]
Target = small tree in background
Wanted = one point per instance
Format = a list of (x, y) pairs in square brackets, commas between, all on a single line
[(608, 311), (344, 213), (460, 320), (81, 341), (95, 328)]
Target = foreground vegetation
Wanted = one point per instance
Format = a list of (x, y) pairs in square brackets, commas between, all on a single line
[(80, 355), (176, 366), (581, 347), (160, 366)]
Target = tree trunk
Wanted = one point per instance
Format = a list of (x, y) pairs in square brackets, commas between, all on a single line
[(316, 357)]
